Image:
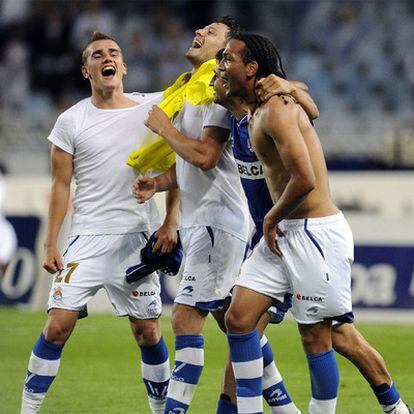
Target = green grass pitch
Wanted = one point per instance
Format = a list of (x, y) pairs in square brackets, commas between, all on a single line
[(100, 373)]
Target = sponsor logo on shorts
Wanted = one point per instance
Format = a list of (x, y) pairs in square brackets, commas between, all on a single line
[(190, 278), (187, 291), (309, 298), (153, 309), (136, 293)]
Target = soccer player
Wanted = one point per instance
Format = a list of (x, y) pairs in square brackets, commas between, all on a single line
[(307, 226), (346, 339), (259, 202), (91, 142), (213, 222)]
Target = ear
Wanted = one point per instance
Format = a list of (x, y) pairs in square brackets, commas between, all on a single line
[(251, 69), (85, 72), (124, 69)]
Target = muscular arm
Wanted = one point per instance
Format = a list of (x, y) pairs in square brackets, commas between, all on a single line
[(62, 169), (282, 125), (203, 153), (274, 85)]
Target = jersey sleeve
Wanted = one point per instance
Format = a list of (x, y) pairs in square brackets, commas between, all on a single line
[(63, 133), (218, 116)]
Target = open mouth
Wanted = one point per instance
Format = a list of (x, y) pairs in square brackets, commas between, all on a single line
[(224, 81), (197, 43), (108, 71)]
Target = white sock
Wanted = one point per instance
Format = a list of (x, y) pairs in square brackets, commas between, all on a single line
[(322, 406), (31, 402), (398, 408)]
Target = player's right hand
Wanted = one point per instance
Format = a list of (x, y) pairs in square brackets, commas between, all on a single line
[(52, 261), (144, 189), (167, 238), (270, 232)]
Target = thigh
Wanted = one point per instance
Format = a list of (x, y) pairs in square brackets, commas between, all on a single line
[(147, 332), (187, 320), (212, 263), (246, 308), (316, 338)]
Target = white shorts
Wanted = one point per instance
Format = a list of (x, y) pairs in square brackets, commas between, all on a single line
[(315, 268), (212, 263), (100, 261), (8, 241)]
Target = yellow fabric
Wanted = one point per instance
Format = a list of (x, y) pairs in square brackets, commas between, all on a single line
[(158, 155)]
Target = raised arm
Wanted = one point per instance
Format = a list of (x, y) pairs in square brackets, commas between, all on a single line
[(203, 153), (281, 123), (62, 169), (274, 85)]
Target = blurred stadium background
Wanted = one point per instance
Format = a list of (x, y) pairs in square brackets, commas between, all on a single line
[(356, 56)]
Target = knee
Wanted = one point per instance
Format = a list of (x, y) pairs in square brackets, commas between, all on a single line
[(146, 333), (238, 322), (187, 320), (313, 343), (57, 332)]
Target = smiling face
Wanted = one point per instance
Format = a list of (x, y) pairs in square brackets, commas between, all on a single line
[(206, 43), (234, 72), (220, 93), (104, 65)]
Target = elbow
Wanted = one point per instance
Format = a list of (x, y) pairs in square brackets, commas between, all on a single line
[(207, 163), (305, 184), (308, 184)]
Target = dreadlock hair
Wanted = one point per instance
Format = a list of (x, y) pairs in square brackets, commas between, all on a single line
[(261, 50), (231, 23), (95, 36)]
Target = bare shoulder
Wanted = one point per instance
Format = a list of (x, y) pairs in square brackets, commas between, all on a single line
[(282, 105), (280, 111)]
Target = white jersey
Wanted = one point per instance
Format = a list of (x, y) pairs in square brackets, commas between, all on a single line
[(100, 141), (210, 198)]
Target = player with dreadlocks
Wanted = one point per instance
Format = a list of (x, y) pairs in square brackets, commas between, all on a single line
[(307, 224)]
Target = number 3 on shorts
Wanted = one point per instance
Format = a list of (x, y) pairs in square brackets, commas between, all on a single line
[(71, 267)]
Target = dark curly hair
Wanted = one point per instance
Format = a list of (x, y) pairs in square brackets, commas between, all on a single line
[(261, 50)]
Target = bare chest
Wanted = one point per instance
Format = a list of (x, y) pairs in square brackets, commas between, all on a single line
[(262, 144)]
